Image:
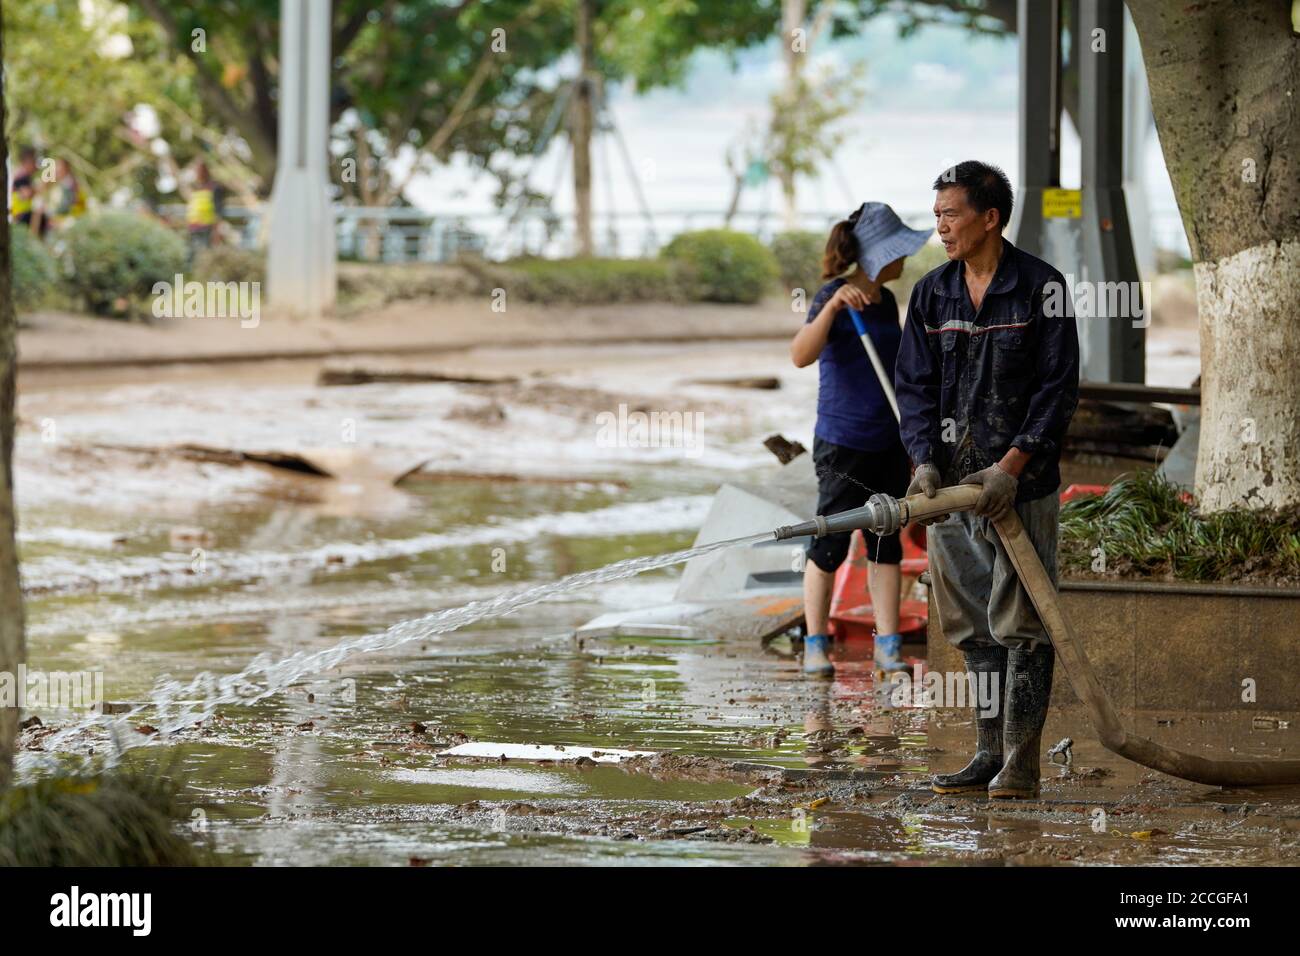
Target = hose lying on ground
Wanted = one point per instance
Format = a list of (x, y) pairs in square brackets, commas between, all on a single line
[(884, 514)]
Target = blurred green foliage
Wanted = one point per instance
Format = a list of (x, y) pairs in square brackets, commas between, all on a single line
[(581, 280), (799, 259), (119, 818), (116, 257), (719, 265), (928, 258), (227, 263), (74, 72), (472, 77), (1145, 527), (35, 270)]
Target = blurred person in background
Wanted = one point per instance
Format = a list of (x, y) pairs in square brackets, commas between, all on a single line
[(203, 209), (69, 199), (25, 205)]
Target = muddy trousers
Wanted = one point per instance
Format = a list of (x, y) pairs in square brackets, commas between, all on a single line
[(985, 611)]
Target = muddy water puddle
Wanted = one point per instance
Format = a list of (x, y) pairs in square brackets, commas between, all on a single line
[(765, 768), (346, 763)]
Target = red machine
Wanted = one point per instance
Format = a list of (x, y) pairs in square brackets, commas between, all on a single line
[(852, 615)]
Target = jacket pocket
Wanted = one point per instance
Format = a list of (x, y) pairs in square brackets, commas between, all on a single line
[(948, 353), (1013, 356)]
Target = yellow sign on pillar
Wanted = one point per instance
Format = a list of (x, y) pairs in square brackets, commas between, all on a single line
[(1062, 203)]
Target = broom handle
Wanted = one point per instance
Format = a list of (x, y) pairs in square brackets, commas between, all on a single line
[(885, 384)]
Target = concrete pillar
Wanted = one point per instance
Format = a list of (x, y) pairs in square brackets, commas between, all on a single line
[(1041, 223), (1084, 233), (301, 265), (1113, 346)]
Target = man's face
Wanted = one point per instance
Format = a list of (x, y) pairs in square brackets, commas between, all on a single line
[(961, 228)]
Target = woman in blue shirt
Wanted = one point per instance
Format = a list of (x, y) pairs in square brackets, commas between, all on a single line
[(856, 446)]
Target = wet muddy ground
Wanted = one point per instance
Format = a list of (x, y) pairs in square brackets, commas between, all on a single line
[(139, 562)]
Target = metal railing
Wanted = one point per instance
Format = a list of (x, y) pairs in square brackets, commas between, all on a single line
[(411, 235)]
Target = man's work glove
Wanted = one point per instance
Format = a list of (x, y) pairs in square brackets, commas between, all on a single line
[(999, 491), (926, 481)]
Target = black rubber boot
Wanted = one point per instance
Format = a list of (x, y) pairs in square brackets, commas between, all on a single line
[(976, 775), (1029, 690)]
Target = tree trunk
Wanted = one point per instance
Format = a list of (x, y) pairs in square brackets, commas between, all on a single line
[(1225, 86), (581, 132), (794, 50), (737, 187), (12, 650)]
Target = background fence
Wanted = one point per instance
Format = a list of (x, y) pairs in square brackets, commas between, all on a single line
[(410, 235)]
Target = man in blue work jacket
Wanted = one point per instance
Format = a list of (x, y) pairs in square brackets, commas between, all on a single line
[(987, 380)]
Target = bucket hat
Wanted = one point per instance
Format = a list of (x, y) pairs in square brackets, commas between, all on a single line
[(883, 237)]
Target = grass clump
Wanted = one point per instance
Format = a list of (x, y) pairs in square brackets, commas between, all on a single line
[(227, 263), (118, 818), (1146, 527), (581, 280), (595, 280)]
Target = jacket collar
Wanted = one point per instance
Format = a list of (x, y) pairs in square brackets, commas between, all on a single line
[(952, 281)]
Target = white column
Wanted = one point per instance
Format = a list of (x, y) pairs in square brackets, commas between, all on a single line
[(300, 268)]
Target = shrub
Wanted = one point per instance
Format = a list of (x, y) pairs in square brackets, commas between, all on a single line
[(229, 264), (119, 818), (719, 265), (799, 259), (35, 270), (581, 280), (116, 258)]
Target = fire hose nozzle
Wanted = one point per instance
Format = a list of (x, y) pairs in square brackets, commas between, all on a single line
[(884, 514)]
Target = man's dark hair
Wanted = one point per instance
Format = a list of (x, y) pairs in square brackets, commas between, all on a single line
[(986, 185)]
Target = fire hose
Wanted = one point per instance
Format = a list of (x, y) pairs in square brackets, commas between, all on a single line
[(884, 514)]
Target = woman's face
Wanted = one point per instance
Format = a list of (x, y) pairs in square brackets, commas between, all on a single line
[(891, 271)]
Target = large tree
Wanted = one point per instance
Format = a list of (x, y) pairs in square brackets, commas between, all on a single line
[(1225, 81), (50, 106), (12, 649), (413, 81), (421, 79)]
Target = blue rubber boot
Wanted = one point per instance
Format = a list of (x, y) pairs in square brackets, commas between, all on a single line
[(815, 661), (886, 653)]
